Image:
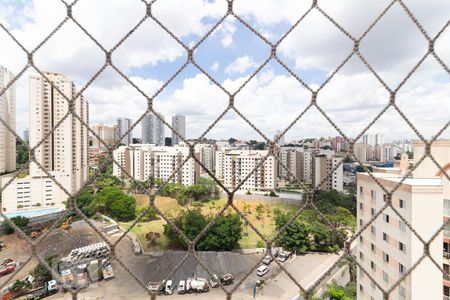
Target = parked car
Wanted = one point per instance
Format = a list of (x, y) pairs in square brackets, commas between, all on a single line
[(214, 281), (181, 287), (283, 256), (169, 287), (226, 279), (262, 270), (267, 260), (259, 282)]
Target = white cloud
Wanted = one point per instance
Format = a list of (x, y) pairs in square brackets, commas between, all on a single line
[(215, 66), (272, 99), (225, 32), (240, 65)]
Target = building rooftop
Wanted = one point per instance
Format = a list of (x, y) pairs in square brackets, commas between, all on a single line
[(432, 181)]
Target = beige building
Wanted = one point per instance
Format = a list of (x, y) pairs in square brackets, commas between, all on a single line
[(8, 115), (107, 133), (145, 161), (328, 172), (291, 166), (63, 153), (207, 155), (387, 247), (233, 166)]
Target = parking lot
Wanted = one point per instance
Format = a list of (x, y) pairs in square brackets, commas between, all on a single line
[(159, 266)]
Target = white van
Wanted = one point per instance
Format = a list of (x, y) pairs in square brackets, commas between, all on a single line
[(262, 270)]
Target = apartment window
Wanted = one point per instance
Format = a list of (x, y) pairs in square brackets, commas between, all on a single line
[(401, 291), (361, 289), (373, 194), (401, 203), (401, 268), (372, 211), (361, 222), (373, 266), (360, 205), (385, 277), (385, 257), (401, 247), (402, 226), (372, 247), (361, 239), (361, 256), (386, 218), (373, 229), (385, 237), (361, 190)]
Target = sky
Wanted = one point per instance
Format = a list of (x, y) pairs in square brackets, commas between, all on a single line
[(273, 99)]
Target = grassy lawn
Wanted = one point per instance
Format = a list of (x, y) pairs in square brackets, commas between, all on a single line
[(263, 222)]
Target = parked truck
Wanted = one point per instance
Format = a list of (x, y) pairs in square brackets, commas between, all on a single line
[(50, 288), (156, 287), (4, 270), (199, 285), (107, 270)]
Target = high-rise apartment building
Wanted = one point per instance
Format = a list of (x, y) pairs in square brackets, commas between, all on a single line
[(328, 172), (178, 124), (107, 133), (8, 115), (153, 130), (145, 161), (63, 152), (123, 126), (235, 165), (280, 140), (387, 249), (373, 139)]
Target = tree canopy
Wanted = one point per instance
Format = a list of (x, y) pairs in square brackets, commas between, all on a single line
[(223, 235)]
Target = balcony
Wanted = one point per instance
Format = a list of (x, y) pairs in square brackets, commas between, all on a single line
[(446, 256)]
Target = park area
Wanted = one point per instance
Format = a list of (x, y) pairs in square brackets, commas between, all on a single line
[(258, 212)]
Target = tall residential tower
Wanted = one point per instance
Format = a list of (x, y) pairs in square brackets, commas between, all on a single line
[(8, 116), (153, 130), (179, 124)]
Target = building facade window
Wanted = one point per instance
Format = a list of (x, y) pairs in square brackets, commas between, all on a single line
[(401, 247), (401, 268), (385, 257), (401, 203), (385, 237)]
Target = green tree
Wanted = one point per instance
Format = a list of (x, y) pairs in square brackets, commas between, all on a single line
[(21, 222), (20, 285), (296, 236), (22, 154), (41, 273), (223, 235), (86, 202), (115, 203)]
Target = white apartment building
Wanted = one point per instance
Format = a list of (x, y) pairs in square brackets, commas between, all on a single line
[(123, 126), (178, 124), (145, 161), (323, 175), (8, 115), (235, 165), (107, 133), (387, 248), (373, 139), (63, 153), (384, 153), (207, 155), (153, 130)]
